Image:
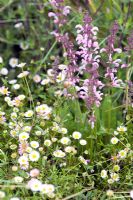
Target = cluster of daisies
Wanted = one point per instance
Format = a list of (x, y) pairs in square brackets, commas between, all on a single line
[(33, 139), (122, 152)]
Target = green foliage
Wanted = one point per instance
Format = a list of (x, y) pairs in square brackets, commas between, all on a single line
[(73, 177)]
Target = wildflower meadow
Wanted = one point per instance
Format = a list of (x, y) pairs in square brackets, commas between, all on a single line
[(66, 99)]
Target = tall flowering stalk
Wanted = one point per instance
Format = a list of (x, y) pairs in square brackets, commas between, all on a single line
[(87, 89), (90, 89), (60, 18), (90, 58), (113, 64), (83, 65)]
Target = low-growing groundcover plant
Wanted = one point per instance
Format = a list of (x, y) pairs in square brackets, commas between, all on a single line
[(66, 127)]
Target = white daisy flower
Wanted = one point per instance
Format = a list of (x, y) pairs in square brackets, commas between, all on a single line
[(61, 77), (23, 74), (13, 62), (47, 188), (76, 135), (114, 176), (4, 71), (18, 179), (23, 160), (14, 198), (18, 25), (122, 154), (63, 130), (12, 81), (110, 193), (29, 113), (34, 144), (16, 86), (21, 65), (45, 81), (37, 78), (59, 154), (122, 129), (83, 142), (2, 194), (23, 136), (35, 185), (131, 194), (104, 174), (65, 140), (47, 143), (27, 128), (34, 156), (1, 60), (114, 140)]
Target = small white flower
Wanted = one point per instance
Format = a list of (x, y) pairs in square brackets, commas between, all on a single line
[(27, 128), (63, 130), (42, 48), (63, 67), (116, 133), (15, 198), (23, 74), (114, 140), (114, 176), (24, 45), (35, 185), (76, 135), (50, 72), (14, 168), (29, 113), (45, 81), (65, 140), (12, 81), (54, 139), (37, 78), (44, 111), (16, 86), (13, 115), (47, 188), (131, 194), (38, 133), (61, 77), (29, 150), (81, 158), (110, 181), (116, 168), (83, 142), (2, 194), (21, 65), (34, 156), (1, 60), (110, 193), (51, 195), (122, 129), (23, 136), (13, 62), (104, 173), (34, 144), (59, 154), (122, 154), (58, 93), (23, 160), (18, 179), (18, 25), (47, 143), (13, 133), (21, 97), (4, 71), (70, 149)]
